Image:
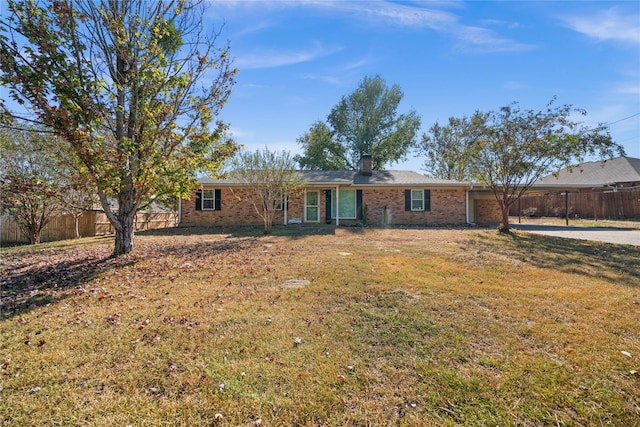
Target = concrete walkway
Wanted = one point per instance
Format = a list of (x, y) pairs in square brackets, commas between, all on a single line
[(621, 236)]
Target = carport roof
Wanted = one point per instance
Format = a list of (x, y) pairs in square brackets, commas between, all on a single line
[(595, 174)]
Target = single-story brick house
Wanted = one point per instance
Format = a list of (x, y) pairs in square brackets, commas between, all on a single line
[(371, 197)]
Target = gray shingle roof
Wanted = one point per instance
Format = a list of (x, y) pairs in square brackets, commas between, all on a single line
[(618, 170), (377, 178)]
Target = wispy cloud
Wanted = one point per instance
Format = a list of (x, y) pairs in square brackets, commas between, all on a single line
[(274, 58), (610, 24), (483, 40), (432, 15), (240, 133), (253, 29), (428, 16), (514, 85), (359, 63), (334, 80)]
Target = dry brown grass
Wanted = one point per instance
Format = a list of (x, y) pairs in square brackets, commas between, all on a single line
[(395, 327)]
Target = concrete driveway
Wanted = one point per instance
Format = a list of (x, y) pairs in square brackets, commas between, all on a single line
[(621, 236)]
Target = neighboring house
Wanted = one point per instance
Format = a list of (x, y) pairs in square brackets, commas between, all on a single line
[(609, 189), (368, 197)]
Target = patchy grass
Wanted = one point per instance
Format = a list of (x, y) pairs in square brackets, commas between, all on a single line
[(394, 327)]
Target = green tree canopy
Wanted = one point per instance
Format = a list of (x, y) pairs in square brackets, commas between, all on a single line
[(445, 150), (363, 122), (32, 184), (321, 152), (133, 86), (509, 149)]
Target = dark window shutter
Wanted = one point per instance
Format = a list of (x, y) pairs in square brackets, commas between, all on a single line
[(407, 200), (218, 199), (358, 204), (199, 200), (427, 200), (327, 204)]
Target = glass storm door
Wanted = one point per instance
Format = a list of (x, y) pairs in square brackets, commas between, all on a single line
[(312, 207)]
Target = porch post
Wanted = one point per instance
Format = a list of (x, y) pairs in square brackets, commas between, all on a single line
[(337, 206), (286, 208), (466, 206), (566, 207), (519, 211)]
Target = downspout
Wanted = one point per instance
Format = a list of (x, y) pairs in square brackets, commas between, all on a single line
[(337, 206), (179, 210)]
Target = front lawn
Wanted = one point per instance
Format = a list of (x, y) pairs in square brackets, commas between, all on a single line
[(321, 327)]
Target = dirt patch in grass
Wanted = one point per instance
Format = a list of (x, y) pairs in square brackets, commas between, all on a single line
[(412, 327)]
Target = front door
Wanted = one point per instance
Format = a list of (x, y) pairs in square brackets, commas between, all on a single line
[(312, 207)]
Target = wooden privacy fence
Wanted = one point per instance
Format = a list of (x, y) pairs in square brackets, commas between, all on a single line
[(90, 223), (605, 203)]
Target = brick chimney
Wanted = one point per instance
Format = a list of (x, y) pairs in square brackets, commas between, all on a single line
[(365, 165)]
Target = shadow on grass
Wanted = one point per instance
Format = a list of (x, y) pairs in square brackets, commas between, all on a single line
[(616, 263), (38, 278), (294, 231)]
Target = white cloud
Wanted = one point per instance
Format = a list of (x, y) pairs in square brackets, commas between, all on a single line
[(425, 15), (611, 24), (273, 58), (362, 62), (514, 85), (240, 133), (433, 15), (484, 40), (253, 29), (323, 78), (628, 89)]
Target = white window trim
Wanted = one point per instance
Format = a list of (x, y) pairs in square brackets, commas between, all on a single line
[(421, 199), (212, 199), (335, 196), (276, 206), (280, 206)]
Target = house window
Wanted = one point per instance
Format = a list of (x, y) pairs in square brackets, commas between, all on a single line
[(417, 200), (346, 205), (279, 204), (278, 201), (208, 200)]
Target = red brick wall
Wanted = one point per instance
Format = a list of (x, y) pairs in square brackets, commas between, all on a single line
[(385, 206), (235, 210), (488, 211)]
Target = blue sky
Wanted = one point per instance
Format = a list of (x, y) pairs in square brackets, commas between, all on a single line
[(297, 59)]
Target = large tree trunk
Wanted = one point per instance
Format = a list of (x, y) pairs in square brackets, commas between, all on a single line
[(123, 221), (505, 219), (34, 236), (124, 236), (76, 225), (126, 220)]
